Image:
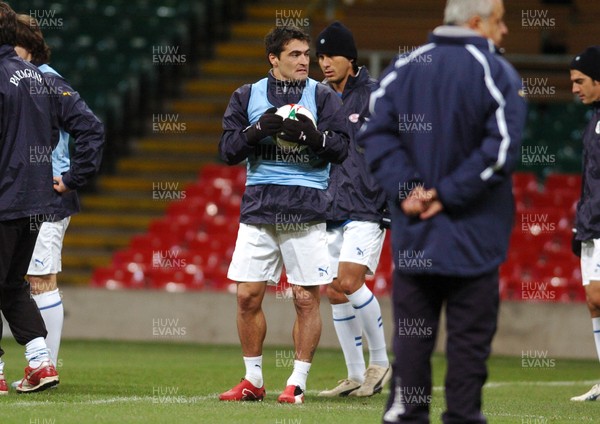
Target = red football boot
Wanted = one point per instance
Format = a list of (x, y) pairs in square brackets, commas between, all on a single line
[(244, 391), (38, 379), (291, 394), (3, 385)]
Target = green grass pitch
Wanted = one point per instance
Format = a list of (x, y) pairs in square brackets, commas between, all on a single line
[(120, 382)]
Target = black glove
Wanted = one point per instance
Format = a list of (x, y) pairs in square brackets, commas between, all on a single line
[(268, 124), (576, 245), (302, 131)]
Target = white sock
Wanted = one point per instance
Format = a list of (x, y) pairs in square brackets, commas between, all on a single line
[(1, 367), (254, 370), (349, 331), (51, 307), (299, 375), (596, 327), (36, 352), (369, 313)]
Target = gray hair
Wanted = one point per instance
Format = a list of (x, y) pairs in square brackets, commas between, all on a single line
[(458, 12)]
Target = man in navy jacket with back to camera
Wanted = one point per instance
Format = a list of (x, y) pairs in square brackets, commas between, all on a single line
[(442, 141), (28, 133), (76, 119)]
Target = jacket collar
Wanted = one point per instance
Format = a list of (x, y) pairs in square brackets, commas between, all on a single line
[(450, 34), (361, 78), (7, 50)]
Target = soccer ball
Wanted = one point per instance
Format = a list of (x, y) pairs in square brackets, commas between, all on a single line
[(289, 112)]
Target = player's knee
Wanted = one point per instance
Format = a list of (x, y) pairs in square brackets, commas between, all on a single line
[(248, 300), (350, 284), (42, 283), (306, 299)]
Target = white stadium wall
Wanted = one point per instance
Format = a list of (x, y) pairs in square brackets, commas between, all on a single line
[(209, 317)]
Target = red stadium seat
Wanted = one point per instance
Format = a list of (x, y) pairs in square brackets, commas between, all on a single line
[(118, 278), (178, 279), (134, 259), (577, 291), (525, 180), (156, 242), (202, 190), (180, 227), (558, 181), (562, 198), (215, 275), (213, 170), (542, 222), (188, 206)]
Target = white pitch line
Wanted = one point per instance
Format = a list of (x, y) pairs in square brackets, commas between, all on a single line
[(495, 384), (182, 400), (170, 400)]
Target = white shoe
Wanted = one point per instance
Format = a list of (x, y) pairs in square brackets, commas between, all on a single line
[(375, 378), (593, 394), (347, 387)]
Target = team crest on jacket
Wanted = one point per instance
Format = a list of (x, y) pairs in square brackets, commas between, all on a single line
[(598, 127), (354, 118)]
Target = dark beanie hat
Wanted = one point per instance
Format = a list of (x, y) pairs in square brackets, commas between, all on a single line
[(336, 40), (588, 62)]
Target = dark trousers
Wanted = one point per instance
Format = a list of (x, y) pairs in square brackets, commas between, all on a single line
[(17, 240), (471, 320)]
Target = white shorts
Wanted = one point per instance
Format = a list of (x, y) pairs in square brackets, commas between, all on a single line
[(261, 251), (359, 242), (590, 261), (46, 258)]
